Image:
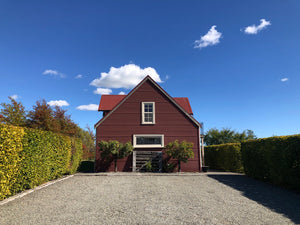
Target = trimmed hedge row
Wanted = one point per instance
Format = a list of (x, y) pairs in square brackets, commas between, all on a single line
[(76, 155), (30, 157), (226, 157), (10, 148), (274, 159)]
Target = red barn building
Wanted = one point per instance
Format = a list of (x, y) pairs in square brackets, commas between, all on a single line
[(149, 118)]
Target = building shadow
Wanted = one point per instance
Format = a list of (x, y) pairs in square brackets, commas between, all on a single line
[(275, 198)]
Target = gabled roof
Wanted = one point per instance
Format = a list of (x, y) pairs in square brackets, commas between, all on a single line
[(108, 102), (163, 92), (185, 104)]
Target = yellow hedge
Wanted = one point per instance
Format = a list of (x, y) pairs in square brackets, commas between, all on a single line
[(30, 157), (10, 148)]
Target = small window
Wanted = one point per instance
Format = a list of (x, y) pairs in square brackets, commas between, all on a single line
[(148, 113), (148, 140)]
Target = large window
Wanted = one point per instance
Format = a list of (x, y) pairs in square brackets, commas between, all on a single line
[(148, 113), (148, 140)]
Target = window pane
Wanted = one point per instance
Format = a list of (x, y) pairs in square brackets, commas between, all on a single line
[(146, 108), (146, 117), (149, 140)]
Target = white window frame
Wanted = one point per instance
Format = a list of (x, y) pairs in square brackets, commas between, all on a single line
[(135, 145), (143, 112)]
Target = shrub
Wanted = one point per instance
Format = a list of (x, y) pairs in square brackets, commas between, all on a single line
[(226, 157), (274, 159), (30, 157), (115, 150), (45, 156), (180, 151), (148, 166), (10, 148), (86, 166)]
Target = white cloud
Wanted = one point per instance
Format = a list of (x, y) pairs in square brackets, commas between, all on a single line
[(103, 91), (90, 107), (211, 38), (54, 73), (78, 76), (122, 93), (284, 79), (254, 29), (58, 103), (14, 97), (126, 76)]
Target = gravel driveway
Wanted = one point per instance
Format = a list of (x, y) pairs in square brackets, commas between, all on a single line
[(122, 198)]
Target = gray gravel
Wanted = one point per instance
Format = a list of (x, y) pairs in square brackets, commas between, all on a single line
[(212, 198)]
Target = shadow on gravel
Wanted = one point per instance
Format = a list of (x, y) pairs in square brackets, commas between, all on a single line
[(275, 198)]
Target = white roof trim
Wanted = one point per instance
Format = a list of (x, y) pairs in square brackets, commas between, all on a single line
[(162, 90)]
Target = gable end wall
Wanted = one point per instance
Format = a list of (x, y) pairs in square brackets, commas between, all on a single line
[(126, 121)]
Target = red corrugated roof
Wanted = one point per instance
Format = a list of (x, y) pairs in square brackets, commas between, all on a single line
[(108, 102)]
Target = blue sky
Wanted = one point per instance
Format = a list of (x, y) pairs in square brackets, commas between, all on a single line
[(237, 61)]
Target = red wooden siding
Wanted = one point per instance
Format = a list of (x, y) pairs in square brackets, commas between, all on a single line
[(169, 120)]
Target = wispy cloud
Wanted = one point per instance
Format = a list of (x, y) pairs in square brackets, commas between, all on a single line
[(284, 79), (14, 97), (126, 76), (79, 76), (103, 91), (212, 37), (90, 107), (255, 29), (122, 93), (58, 103), (54, 73)]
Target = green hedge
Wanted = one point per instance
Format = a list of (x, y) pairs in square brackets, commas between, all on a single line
[(226, 157), (76, 155), (30, 157), (274, 159)]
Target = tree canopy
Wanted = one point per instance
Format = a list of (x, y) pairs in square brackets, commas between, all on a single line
[(226, 135), (13, 113), (180, 151)]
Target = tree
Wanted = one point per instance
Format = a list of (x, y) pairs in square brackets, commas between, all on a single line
[(88, 141), (44, 117), (216, 137), (115, 150), (41, 117), (14, 113), (63, 123), (180, 151)]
